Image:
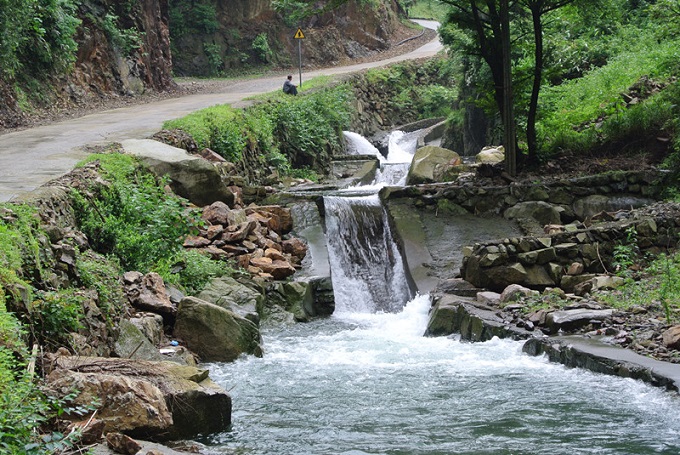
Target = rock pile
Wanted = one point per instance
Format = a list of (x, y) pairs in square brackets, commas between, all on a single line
[(255, 237)]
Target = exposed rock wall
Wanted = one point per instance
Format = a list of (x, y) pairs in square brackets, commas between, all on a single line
[(352, 30), (102, 68)]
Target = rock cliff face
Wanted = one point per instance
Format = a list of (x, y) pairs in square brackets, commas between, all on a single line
[(123, 50), (102, 66), (350, 31)]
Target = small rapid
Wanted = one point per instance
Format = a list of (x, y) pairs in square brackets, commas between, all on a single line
[(371, 384), (366, 381)]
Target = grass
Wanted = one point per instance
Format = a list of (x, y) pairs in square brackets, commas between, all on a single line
[(570, 110), (657, 285), (428, 9)]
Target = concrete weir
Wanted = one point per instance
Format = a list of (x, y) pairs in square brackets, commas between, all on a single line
[(595, 355)]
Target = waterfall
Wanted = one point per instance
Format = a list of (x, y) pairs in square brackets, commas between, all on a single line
[(367, 269), (356, 144)]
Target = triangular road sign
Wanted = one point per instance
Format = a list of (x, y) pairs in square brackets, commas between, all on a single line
[(299, 34)]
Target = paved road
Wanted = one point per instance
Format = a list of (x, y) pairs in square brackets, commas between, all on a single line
[(32, 157)]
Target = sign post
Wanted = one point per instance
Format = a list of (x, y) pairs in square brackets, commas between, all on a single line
[(299, 36)]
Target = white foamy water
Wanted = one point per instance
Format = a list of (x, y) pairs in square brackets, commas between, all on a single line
[(371, 384), (366, 381)]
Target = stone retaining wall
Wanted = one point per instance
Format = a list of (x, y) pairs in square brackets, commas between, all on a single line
[(570, 199), (567, 259)]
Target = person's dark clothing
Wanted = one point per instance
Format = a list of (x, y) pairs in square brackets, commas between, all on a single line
[(289, 87)]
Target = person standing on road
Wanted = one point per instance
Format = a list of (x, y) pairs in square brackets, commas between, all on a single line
[(289, 87)]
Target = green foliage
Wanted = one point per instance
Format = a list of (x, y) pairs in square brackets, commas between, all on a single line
[(192, 17), (19, 251), (287, 132), (426, 9), (261, 48), (102, 274), (220, 128), (213, 53), (626, 253), (54, 314), (309, 125), (191, 270), (125, 39), (37, 37), (585, 112), (435, 100), (134, 219), (656, 285)]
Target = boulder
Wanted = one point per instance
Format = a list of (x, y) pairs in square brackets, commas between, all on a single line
[(488, 298), (278, 269), (151, 325), (294, 297), (190, 176), (229, 294), (568, 320), (133, 344), (430, 164), (157, 400), (278, 219), (214, 333), (491, 155), (147, 292), (543, 212), (590, 206), (671, 337), (515, 292)]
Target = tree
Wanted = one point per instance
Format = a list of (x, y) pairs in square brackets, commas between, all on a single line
[(538, 9), (489, 22)]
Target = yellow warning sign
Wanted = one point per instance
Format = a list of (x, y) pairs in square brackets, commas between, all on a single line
[(299, 34)]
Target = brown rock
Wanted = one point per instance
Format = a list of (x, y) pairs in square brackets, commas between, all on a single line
[(671, 337), (575, 268), (121, 443), (91, 431), (238, 233), (296, 247), (214, 252), (277, 268), (280, 218), (216, 213), (211, 156), (148, 293), (214, 231), (194, 241), (274, 254)]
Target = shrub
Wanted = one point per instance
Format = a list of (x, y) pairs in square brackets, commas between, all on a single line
[(134, 219), (191, 270), (261, 48)]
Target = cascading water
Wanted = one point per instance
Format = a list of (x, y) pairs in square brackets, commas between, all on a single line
[(366, 267), (366, 382)]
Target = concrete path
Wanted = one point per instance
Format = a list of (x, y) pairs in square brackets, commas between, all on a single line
[(32, 157)]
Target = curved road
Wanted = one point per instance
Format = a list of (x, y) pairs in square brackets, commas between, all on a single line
[(32, 157)]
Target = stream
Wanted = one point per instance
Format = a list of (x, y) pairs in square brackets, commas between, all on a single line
[(365, 381)]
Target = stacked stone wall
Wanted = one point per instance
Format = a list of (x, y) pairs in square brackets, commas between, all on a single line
[(572, 199)]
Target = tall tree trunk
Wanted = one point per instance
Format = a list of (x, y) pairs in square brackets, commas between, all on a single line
[(538, 76), (508, 108)]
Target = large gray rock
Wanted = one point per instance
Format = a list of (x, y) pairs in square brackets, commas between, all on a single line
[(228, 293), (432, 164), (295, 297), (214, 333), (491, 155), (133, 344), (158, 400), (574, 319), (543, 212), (191, 177), (592, 205)]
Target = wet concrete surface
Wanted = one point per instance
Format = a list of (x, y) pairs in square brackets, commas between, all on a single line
[(32, 157)]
